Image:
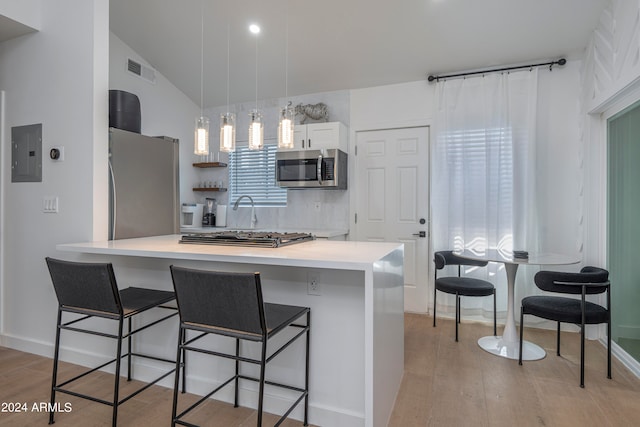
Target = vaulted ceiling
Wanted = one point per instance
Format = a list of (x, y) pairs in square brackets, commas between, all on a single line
[(309, 46)]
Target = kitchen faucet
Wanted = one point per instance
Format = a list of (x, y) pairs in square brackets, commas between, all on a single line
[(253, 209)]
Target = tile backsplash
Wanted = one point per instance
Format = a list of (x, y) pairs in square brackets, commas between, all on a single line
[(306, 209)]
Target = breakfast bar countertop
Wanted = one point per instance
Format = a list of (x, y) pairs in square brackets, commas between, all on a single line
[(342, 255)]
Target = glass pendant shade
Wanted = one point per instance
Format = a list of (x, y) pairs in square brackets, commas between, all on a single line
[(285, 128), (256, 130), (228, 132), (201, 143)]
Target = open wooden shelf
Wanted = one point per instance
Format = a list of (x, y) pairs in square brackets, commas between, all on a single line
[(210, 165), (210, 189)]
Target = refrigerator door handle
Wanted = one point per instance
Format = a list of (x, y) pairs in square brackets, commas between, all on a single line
[(113, 201)]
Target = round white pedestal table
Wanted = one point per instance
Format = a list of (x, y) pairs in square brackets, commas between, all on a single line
[(508, 345)]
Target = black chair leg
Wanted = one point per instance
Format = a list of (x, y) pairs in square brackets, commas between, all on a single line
[(558, 340), (495, 317), (609, 349), (306, 371), (608, 333), (435, 292), (54, 375), (263, 367), (184, 358), (521, 335), (130, 349), (457, 314), (235, 397), (582, 355), (179, 353), (116, 386)]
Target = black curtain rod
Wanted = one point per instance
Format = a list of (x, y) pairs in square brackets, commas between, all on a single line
[(560, 61)]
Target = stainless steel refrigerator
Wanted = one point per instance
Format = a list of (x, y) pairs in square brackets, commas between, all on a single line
[(144, 190)]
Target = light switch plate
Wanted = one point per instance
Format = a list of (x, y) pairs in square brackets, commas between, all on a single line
[(50, 204)]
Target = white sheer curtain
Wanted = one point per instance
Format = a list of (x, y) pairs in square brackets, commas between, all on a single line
[(483, 168)]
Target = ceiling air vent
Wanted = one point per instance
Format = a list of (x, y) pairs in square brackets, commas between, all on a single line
[(141, 71)]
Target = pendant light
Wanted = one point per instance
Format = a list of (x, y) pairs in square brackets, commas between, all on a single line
[(256, 130), (256, 125), (286, 127), (201, 140), (228, 120), (285, 124)]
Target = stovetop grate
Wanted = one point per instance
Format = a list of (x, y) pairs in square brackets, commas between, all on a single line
[(263, 239)]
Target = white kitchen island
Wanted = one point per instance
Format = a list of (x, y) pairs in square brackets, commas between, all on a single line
[(357, 324)]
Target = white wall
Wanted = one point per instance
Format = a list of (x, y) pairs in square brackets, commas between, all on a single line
[(559, 176), (26, 12), (57, 77), (610, 81), (400, 105)]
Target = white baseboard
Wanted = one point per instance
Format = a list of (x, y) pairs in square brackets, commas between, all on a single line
[(629, 362), (41, 348)]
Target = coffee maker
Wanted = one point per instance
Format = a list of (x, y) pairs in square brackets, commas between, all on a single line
[(191, 212), (209, 213)]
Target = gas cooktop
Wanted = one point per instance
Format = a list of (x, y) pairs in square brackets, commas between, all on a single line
[(263, 239)]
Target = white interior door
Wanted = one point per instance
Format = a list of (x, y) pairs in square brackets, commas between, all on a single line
[(392, 200)]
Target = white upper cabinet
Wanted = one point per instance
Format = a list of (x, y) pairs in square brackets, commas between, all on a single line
[(317, 136)]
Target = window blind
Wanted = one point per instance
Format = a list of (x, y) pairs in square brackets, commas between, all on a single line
[(252, 172), (481, 165)]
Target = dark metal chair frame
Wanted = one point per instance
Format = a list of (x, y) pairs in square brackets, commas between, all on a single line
[(574, 287), (102, 299), (231, 305), (444, 258)]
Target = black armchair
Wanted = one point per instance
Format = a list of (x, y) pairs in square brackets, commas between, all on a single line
[(589, 281), (460, 286)]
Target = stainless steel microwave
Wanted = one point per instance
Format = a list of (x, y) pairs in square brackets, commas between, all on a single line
[(312, 169)]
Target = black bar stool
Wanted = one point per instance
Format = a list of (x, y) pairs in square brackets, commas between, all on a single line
[(231, 305), (89, 290)]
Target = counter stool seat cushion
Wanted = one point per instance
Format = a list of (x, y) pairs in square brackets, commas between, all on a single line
[(466, 286), (136, 300), (565, 310), (277, 317)]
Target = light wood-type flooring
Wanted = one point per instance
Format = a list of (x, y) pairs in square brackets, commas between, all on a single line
[(445, 384)]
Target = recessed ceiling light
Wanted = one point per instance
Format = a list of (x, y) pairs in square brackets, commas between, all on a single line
[(254, 28)]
